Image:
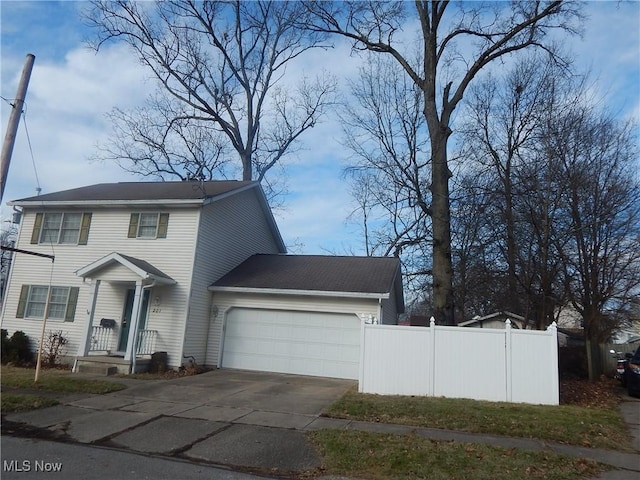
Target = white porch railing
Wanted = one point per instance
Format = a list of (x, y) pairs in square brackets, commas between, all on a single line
[(100, 339), (146, 342), (103, 339)]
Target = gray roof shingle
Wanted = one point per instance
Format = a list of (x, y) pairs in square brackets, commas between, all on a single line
[(192, 190), (146, 266), (371, 275)]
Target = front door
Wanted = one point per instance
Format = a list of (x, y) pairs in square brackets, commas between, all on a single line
[(128, 313)]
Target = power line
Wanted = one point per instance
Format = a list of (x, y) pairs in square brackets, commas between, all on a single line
[(33, 160)]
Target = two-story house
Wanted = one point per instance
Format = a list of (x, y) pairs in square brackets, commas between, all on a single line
[(194, 269)]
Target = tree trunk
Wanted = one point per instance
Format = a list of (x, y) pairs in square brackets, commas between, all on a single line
[(441, 222), (247, 167)]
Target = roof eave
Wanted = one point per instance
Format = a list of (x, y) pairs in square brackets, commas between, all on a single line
[(106, 203), (89, 270), (286, 291)]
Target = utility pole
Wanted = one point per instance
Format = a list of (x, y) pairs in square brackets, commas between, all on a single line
[(14, 120)]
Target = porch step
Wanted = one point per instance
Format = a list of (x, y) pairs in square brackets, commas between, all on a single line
[(102, 365), (97, 369), (109, 365)]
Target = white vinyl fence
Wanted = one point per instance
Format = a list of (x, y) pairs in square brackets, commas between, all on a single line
[(509, 365)]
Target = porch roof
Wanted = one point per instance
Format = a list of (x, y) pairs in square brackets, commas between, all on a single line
[(142, 268)]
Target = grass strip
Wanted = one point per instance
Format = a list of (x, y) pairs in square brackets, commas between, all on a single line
[(55, 380), (24, 402), (381, 456), (591, 427)]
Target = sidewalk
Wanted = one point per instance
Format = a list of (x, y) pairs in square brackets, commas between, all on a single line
[(257, 428)]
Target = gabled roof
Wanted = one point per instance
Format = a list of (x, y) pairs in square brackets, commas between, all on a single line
[(136, 192), (141, 268), (374, 277)]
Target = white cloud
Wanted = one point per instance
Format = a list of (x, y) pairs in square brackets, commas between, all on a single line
[(65, 112)]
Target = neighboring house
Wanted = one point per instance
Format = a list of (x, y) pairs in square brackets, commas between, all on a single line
[(496, 320), (137, 270)]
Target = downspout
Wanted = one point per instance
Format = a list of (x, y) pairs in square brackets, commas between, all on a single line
[(380, 320), (135, 336)]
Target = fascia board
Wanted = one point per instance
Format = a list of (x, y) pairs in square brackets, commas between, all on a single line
[(313, 293), (230, 193)]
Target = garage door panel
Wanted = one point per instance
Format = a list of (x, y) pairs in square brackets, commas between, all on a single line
[(322, 344)]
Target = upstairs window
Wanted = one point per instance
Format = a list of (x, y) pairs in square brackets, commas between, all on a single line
[(33, 302), (61, 228), (148, 225)]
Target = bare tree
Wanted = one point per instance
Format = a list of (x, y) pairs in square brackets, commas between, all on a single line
[(384, 130), (505, 120), (222, 71), (602, 205), (479, 280), (8, 237), (456, 45)]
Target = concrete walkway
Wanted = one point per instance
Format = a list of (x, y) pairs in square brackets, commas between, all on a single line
[(249, 421)]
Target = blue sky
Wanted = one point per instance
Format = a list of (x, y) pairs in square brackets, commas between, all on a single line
[(72, 88)]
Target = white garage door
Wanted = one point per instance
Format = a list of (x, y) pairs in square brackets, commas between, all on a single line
[(303, 343)]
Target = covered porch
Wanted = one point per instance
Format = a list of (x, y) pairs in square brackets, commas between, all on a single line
[(118, 339)]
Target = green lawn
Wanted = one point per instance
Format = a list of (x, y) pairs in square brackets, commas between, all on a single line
[(592, 427), (380, 456), (25, 402), (20, 391)]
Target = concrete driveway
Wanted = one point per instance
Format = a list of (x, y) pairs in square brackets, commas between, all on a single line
[(239, 389), (251, 420)]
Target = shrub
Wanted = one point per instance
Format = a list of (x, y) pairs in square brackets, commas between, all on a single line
[(53, 348), (16, 349), (4, 348)]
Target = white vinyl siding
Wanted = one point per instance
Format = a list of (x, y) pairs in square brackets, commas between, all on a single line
[(173, 256), (231, 230), (389, 310)]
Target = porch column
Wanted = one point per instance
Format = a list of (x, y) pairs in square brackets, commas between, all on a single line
[(133, 327), (85, 339)]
